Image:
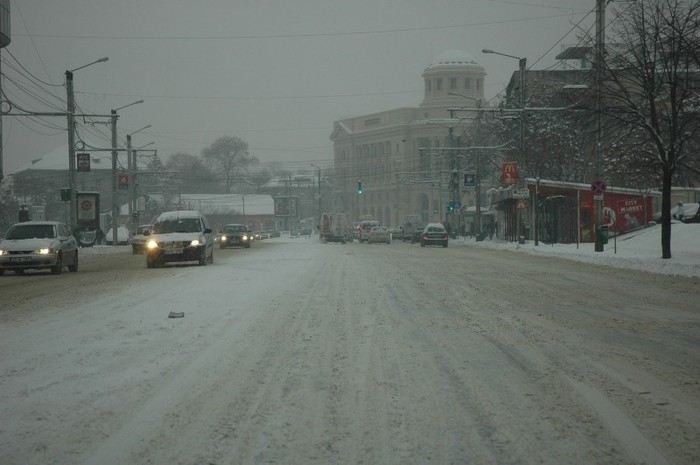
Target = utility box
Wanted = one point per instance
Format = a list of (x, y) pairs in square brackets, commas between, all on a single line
[(601, 235)]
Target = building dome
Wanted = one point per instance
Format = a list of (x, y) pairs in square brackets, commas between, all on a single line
[(453, 79), (453, 57)]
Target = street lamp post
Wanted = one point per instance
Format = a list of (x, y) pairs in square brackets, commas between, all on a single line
[(115, 203), (522, 65), (477, 173), (70, 106), (318, 220), (131, 161)]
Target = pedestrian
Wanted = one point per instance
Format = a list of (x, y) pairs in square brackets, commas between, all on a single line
[(680, 213)]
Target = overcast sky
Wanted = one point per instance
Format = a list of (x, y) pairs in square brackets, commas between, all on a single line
[(275, 73)]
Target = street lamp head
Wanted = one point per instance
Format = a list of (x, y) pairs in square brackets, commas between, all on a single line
[(122, 107), (101, 60), (138, 130)]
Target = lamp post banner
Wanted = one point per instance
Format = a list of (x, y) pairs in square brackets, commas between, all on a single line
[(83, 160), (509, 172)]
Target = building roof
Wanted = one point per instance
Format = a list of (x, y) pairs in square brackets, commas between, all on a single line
[(57, 159), (453, 58)]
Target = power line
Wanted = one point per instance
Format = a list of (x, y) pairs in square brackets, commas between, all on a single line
[(299, 35)]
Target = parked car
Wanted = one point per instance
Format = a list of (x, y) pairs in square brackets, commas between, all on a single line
[(365, 227), (122, 236), (235, 235), (417, 233), (396, 234), (379, 234), (138, 240), (179, 236), (434, 234), (38, 245)]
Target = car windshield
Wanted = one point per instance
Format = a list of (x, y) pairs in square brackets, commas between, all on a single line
[(234, 229), (32, 231), (177, 225)]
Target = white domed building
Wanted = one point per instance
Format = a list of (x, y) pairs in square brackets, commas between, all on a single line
[(400, 155)]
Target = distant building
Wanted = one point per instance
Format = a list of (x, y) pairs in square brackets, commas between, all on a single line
[(396, 154)]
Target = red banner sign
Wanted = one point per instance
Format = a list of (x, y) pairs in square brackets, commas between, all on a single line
[(509, 172)]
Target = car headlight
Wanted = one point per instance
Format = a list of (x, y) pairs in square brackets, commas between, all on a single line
[(43, 251), (3, 252), (244, 238), (152, 244), (224, 238), (195, 243)]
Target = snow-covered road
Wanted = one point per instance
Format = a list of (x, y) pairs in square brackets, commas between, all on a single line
[(298, 352)]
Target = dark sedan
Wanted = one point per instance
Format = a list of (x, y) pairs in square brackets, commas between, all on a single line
[(235, 235), (434, 234)]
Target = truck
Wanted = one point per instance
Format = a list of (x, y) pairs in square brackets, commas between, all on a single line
[(335, 228)]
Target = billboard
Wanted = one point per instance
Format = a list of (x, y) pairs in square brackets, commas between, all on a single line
[(88, 209)]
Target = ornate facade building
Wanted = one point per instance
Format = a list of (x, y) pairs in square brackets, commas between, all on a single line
[(401, 156)]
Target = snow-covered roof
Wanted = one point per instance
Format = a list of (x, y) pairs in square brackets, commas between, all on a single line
[(57, 159)]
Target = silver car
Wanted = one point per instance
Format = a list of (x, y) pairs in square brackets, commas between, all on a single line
[(379, 234), (38, 245)]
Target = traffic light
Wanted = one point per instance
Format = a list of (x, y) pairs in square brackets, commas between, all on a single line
[(451, 206), (65, 195), (359, 187)]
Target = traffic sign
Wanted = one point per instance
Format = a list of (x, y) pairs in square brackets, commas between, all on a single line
[(521, 194), (469, 179), (598, 186), (522, 204)]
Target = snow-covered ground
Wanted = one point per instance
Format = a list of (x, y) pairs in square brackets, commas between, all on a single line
[(638, 250), (295, 351)]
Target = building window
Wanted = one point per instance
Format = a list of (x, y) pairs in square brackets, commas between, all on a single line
[(427, 85), (453, 83), (478, 84), (438, 84), (468, 83)]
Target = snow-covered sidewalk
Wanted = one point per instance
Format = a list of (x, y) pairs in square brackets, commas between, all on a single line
[(639, 250)]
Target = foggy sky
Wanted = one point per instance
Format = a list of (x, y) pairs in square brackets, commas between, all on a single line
[(274, 73)]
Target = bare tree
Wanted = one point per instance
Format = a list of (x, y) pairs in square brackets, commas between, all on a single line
[(229, 155), (188, 174), (650, 87)]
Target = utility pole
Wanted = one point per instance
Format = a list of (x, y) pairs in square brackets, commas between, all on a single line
[(599, 57), (132, 172), (320, 211), (115, 204), (454, 184), (71, 149), (522, 64)]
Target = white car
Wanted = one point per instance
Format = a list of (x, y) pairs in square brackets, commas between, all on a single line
[(38, 245), (177, 237), (138, 240)]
